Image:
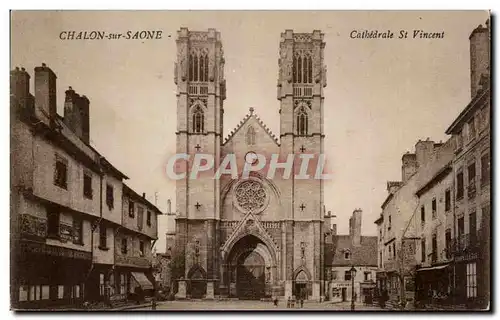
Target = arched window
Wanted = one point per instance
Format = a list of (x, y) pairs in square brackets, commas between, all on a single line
[(205, 63), (299, 70), (202, 68), (192, 56), (198, 66), (302, 122), (250, 136), (305, 74), (295, 69), (310, 68), (302, 68), (195, 68), (198, 120)]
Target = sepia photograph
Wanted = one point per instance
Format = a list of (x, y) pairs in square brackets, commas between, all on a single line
[(250, 160)]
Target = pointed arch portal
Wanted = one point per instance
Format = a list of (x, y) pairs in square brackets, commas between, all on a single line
[(251, 268)]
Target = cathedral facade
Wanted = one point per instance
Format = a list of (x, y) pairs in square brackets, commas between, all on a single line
[(250, 237)]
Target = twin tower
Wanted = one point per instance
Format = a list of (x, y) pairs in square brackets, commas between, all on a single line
[(255, 237)]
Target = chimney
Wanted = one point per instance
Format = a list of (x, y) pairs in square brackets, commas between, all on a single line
[(423, 151), (84, 118), (20, 87), (72, 112), (45, 94), (479, 56), (355, 227), (334, 229), (409, 166), (144, 195)]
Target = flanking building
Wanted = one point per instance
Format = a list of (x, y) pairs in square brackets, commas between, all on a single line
[(435, 225), (66, 200), (471, 172), (352, 250)]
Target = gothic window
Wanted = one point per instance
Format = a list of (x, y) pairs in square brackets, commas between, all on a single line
[(198, 66), (250, 136), (302, 68), (198, 120), (302, 122), (299, 70), (295, 69), (309, 68)]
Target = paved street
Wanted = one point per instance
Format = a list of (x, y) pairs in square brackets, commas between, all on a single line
[(251, 305)]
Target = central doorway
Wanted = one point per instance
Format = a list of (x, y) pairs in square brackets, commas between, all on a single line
[(250, 280), (250, 267)]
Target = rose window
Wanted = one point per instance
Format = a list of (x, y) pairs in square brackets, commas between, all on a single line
[(251, 196)]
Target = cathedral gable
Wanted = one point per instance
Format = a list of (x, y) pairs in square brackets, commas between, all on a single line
[(252, 132)]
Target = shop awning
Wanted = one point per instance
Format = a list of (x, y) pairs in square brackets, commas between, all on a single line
[(142, 280), (433, 268)]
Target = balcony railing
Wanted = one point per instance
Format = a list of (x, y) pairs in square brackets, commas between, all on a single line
[(198, 89), (303, 90), (465, 242)]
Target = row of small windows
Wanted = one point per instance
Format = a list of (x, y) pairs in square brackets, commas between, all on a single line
[(471, 175), (198, 67), (302, 69), (61, 180), (140, 214), (124, 247)]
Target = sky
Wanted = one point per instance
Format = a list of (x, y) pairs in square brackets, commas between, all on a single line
[(383, 95)]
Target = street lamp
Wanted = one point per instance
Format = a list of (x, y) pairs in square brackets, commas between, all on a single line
[(353, 275)]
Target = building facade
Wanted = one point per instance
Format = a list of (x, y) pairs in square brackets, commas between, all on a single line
[(353, 250), (434, 225), (401, 232), (471, 172), (249, 237), (66, 198), (448, 187)]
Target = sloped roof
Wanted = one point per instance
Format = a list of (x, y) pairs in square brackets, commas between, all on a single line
[(245, 120), (363, 255)]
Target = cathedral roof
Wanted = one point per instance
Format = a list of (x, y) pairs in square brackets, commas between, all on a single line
[(245, 120)]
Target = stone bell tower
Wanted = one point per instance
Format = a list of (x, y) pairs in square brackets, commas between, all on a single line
[(199, 76), (302, 77)]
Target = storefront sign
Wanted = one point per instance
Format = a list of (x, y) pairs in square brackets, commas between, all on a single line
[(340, 285), (41, 248)]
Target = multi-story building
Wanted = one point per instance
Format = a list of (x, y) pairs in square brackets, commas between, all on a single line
[(353, 250), (471, 172), (133, 243), (443, 203), (399, 236), (65, 198), (434, 225)]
